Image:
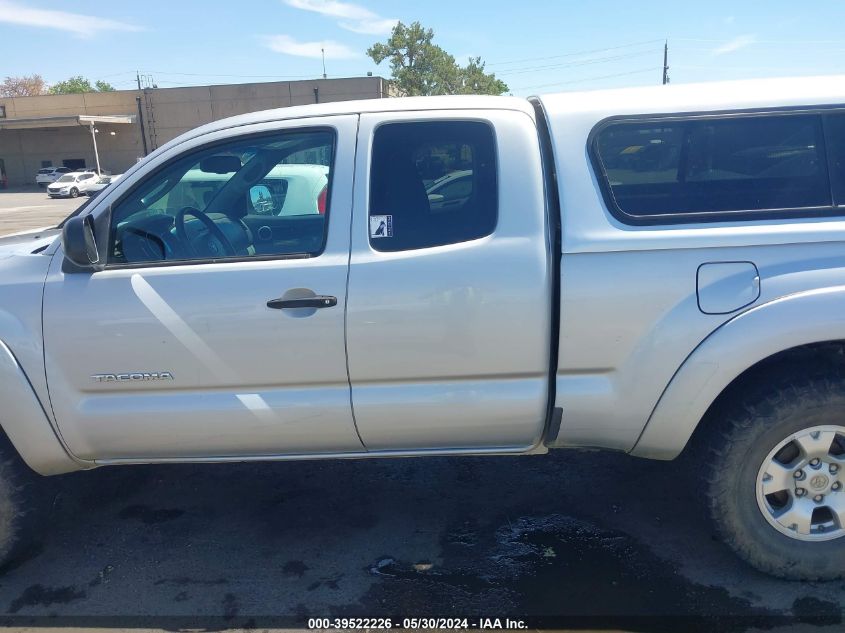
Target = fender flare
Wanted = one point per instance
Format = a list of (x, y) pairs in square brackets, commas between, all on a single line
[(25, 422), (814, 316)]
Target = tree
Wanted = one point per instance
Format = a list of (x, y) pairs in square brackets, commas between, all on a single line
[(25, 86), (475, 81), (79, 84), (420, 67)]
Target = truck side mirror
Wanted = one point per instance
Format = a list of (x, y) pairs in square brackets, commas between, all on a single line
[(79, 245)]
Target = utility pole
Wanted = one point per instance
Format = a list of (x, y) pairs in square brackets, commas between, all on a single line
[(96, 153), (138, 78), (141, 122), (666, 63), (323, 51)]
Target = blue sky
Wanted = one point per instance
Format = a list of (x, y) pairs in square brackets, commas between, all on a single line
[(534, 46)]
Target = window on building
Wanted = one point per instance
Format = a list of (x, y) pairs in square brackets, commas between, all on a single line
[(46, 163), (2, 112), (250, 197), (715, 166), (431, 184)]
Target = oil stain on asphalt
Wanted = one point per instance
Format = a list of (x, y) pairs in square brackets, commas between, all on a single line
[(551, 567)]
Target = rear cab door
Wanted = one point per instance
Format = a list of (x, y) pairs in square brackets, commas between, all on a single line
[(449, 305)]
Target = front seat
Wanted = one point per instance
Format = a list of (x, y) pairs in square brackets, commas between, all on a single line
[(398, 191)]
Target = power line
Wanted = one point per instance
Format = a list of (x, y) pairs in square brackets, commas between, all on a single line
[(576, 53), (576, 81), (168, 72), (785, 69), (587, 62), (779, 42)]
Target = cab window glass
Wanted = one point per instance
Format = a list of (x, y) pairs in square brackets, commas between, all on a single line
[(835, 126), (729, 164), (253, 197), (431, 184)]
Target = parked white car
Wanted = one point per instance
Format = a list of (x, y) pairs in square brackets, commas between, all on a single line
[(71, 185), (92, 187), (286, 190), (46, 175)]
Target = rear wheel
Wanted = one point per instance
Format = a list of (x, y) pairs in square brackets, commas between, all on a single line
[(776, 484)]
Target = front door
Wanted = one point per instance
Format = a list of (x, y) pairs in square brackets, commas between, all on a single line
[(178, 348)]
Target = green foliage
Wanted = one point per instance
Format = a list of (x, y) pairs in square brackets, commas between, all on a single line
[(78, 84), (103, 86), (420, 67)]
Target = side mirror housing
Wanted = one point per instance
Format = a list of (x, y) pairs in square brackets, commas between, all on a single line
[(79, 244)]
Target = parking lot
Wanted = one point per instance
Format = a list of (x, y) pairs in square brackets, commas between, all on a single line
[(25, 209), (601, 539)]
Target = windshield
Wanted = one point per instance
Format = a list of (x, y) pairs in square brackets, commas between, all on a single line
[(66, 178), (45, 171)]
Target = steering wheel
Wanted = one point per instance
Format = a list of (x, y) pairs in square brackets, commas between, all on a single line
[(215, 236)]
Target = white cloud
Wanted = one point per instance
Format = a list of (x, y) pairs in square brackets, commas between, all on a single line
[(352, 17), (76, 23), (286, 45), (735, 44)]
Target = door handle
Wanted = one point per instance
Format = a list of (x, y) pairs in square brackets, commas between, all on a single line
[(317, 301)]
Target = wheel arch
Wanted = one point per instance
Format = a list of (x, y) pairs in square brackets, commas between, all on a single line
[(25, 423), (771, 342)]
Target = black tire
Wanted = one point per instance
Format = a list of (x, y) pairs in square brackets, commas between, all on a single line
[(24, 504), (74, 192), (734, 453)]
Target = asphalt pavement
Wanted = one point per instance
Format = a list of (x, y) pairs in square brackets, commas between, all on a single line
[(31, 208), (576, 539)]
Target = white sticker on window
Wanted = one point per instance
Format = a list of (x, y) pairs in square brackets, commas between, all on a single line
[(381, 226)]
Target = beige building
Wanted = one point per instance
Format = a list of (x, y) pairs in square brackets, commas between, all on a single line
[(61, 130)]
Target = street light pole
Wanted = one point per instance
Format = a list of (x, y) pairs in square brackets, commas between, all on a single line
[(96, 153)]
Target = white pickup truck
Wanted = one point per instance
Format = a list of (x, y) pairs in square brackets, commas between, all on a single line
[(652, 271)]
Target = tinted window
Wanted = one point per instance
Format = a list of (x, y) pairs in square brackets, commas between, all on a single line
[(715, 165), (835, 125), (214, 204), (432, 183)]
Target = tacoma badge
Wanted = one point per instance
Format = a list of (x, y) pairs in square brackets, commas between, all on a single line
[(133, 376)]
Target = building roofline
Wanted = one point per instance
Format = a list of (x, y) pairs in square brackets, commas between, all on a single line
[(36, 122), (135, 91)]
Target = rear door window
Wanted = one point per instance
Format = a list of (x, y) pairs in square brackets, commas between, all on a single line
[(432, 183), (714, 166)]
